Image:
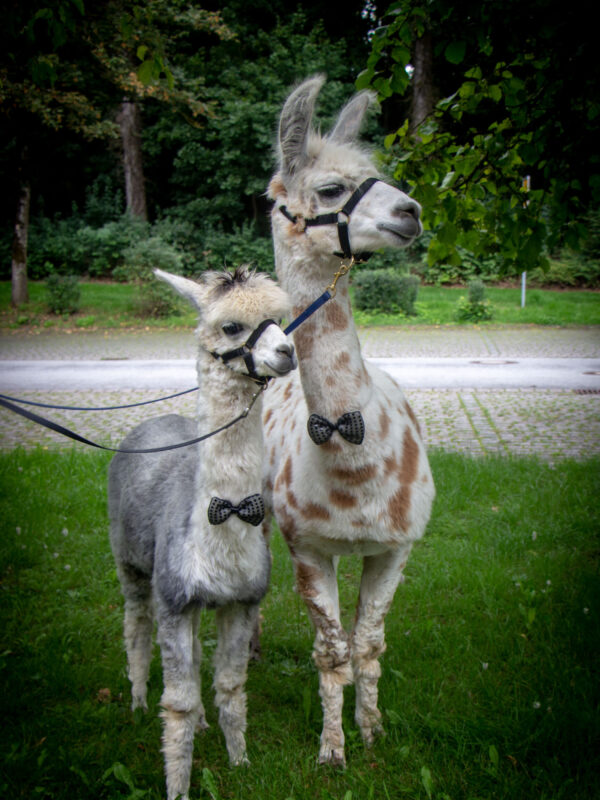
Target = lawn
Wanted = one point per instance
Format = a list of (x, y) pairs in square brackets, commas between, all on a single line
[(489, 686), (111, 305)]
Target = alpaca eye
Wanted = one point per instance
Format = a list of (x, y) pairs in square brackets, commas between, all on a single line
[(331, 191), (232, 328)]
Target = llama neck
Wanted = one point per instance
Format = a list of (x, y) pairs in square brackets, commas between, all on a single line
[(231, 461), (330, 363)]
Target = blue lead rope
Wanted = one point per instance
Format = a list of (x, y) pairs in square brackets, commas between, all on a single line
[(320, 301)]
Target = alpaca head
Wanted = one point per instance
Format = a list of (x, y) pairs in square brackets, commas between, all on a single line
[(231, 306), (318, 174)]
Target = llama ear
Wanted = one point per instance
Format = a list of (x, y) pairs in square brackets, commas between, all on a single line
[(191, 290), (294, 125), (351, 116)]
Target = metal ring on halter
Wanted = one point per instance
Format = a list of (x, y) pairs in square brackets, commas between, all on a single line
[(333, 218)]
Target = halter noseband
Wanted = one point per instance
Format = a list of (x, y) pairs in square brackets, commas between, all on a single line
[(340, 218), (245, 351)]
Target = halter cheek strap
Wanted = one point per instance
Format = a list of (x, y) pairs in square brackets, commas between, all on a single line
[(340, 218), (245, 351)]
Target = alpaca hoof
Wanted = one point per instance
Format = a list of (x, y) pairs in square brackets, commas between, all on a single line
[(139, 702), (202, 725), (333, 756)]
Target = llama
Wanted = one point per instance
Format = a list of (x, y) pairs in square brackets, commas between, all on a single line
[(358, 481), (183, 523)]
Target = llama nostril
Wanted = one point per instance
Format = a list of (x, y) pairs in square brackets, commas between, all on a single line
[(410, 209)]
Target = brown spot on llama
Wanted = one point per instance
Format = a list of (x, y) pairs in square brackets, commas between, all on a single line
[(337, 319), (399, 504), (306, 578), (267, 416), (304, 340), (342, 499), (354, 477), (413, 419), (384, 424), (314, 511)]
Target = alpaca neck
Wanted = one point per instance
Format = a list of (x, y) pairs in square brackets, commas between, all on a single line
[(330, 363), (230, 461)]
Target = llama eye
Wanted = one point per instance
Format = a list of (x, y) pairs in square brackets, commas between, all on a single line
[(232, 328), (331, 191)]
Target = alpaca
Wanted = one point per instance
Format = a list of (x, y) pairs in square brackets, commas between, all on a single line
[(358, 481), (178, 542)]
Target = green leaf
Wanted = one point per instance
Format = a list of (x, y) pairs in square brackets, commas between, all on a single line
[(146, 72), (455, 52), (427, 781), (141, 52)]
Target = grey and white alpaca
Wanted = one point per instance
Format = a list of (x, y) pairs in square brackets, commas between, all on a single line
[(171, 561)]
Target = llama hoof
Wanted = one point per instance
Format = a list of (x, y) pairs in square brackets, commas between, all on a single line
[(371, 733), (242, 761), (333, 756)]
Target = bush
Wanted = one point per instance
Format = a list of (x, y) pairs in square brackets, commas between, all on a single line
[(385, 290), (470, 268), (474, 308), (62, 294), (243, 246), (569, 269), (154, 298)]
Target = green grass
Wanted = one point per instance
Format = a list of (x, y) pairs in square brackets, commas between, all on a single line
[(110, 305), (489, 686), (437, 306)]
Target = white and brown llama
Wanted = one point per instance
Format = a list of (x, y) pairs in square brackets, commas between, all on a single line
[(185, 524), (359, 480)]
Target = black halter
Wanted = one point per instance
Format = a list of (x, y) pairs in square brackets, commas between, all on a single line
[(340, 218), (245, 351)]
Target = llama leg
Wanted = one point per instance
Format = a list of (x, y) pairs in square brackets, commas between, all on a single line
[(380, 578), (181, 699), (137, 629), (316, 581), (235, 624)]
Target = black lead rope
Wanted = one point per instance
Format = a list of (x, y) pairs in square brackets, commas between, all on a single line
[(54, 426)]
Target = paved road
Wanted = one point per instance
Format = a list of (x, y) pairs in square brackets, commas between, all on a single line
[(416, 372), (558, 418)]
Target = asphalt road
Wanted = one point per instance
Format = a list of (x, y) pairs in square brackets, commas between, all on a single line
[(423, 373)]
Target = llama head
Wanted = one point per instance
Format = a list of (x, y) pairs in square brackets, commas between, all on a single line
[(318, 174), (231, 306)]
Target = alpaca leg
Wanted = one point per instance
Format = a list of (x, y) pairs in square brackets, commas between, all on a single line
[(235, 624), (181, 698), (380, 578), (137, 629), (202, 724), (316, 581)]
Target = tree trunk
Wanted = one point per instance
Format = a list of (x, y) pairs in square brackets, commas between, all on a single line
[(423, 92), (130, 125), (19, 292)]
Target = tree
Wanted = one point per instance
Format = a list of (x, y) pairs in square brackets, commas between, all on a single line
[(64, 68), (518, 83)]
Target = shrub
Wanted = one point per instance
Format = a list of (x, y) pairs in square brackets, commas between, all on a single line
[(154, 298), (243, 246), (62, 294), (385, 290), (474, 308)]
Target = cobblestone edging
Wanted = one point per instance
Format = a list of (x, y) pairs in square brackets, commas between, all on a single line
[(550, 424)]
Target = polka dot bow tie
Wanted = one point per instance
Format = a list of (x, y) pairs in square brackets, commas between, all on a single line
[(250, 510), (350, 426)]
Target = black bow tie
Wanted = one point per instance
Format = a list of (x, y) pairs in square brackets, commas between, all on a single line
[(251, 510), (350, 426)]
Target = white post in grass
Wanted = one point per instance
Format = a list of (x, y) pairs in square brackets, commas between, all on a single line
[(523, 287)]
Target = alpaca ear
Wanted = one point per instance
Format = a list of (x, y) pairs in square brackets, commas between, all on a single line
[(191, 290), (294, 125), (350, 118)]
